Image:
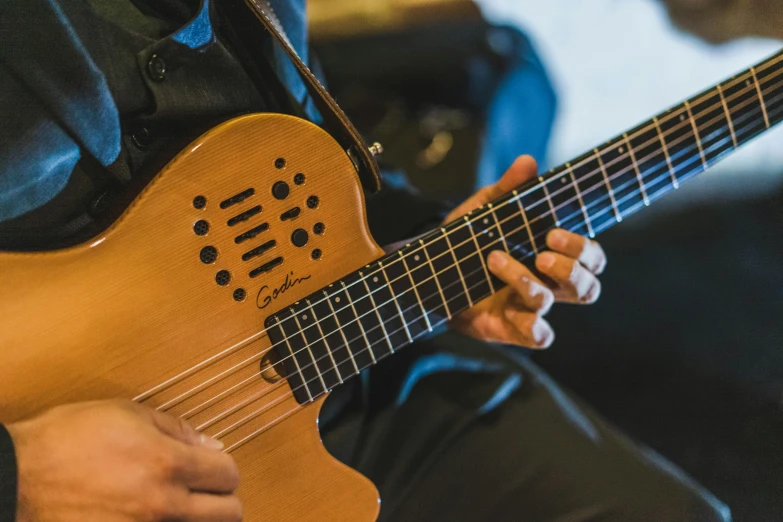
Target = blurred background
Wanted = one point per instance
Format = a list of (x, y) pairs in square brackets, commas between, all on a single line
[(685, 350)]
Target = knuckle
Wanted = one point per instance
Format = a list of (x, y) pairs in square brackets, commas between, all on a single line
[(160, 505)]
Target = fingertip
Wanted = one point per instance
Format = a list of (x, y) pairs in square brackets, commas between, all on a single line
[(543, 334), (210, 442), (545, 261), (497, 260), (523, 169), (557, 239)]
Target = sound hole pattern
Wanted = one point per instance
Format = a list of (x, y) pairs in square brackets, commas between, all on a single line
[(250, 234), (290, 214), (201, 227), (208, 255), (223, 278), (244, 216), (258, 251), (266, 267), (239, 198)]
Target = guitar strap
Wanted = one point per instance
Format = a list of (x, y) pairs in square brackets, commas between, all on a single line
[(335, 120)]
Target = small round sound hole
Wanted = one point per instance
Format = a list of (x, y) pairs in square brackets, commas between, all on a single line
[(199, 202), (312, 202), (208, 255), (240, 295), (299, 179), (319, 228), (223, 277), (317, 254), (201, 227), (280, 163)]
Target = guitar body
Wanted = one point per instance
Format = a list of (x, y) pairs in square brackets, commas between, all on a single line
[(162, 308)]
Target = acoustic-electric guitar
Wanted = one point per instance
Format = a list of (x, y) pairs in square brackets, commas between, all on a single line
[(242, 284)]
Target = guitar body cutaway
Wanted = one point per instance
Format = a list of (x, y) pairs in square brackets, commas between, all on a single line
[(256, 214)]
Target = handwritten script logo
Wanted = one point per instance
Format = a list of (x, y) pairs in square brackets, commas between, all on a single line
[(266, 296)]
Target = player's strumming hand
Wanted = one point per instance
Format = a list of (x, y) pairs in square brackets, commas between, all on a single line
[(515, 315), (118, 461)]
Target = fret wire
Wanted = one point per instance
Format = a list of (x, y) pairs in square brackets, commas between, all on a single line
[(310, 351), (377, 313), (437, 281), (326, 344), (527, 223), (415, 291), (581, 202), (358, 320), (761, 96), (340, 328), (656, 195), (456, 263), (728, 115), (497, 225), (549, 200), (675, 183), (636, 168), (296, 362), (396, 302), (516, 193), (480, 254), (696, 134), (618, 216)]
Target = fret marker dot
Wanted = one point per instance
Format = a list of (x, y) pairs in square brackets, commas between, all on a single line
[(336, 299), (747, 83), (621, 150), (682, 117), (486, 221), (304, 317), (491, 234), (375, 279), (416, 258), (563, 180)]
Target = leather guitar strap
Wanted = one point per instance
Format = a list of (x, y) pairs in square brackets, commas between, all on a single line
[(335, 120)]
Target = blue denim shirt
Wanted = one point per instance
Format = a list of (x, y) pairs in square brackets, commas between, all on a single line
[(53, 106)]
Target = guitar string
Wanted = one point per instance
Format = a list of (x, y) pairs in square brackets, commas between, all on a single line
[(275, 421), (594, 187), (606, 224), (239, 344), (252, 359), (196, 409)]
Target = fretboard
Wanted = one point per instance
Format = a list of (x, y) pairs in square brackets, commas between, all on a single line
[(337, 332)]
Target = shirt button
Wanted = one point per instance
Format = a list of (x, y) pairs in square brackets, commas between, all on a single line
[(156, 68), (142, 138)]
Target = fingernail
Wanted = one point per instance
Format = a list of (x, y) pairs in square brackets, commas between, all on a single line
[(497, 260), (546, 260), (211, 443), (558, 239), (542, 334)]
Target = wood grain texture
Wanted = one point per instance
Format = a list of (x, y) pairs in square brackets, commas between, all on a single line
[(136, 307)]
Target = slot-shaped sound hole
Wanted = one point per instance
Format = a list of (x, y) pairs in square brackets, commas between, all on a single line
[(238, 198), (247, 256), (250, 234), (290, 214), (266, 267), (244, 216)]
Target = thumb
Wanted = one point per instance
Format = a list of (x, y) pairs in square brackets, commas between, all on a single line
[(523, 169), (179, 429)]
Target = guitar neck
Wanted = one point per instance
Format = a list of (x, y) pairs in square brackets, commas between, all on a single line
[(367, 316)]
